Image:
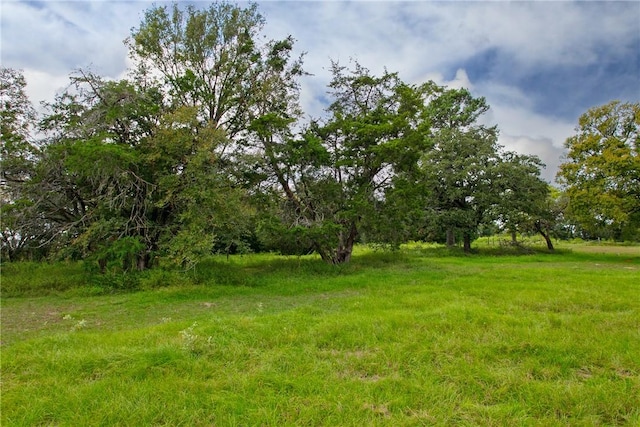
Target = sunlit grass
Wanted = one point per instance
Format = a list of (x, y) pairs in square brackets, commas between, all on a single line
[(415, 337)]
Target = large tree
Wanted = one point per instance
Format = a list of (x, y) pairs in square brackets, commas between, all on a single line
[(121, 164), (145, 160), (90, 182), (601, 172), (334, 174)]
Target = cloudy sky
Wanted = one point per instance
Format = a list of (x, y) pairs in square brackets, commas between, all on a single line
[(539, 64)]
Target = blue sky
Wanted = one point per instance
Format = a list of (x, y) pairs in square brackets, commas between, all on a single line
[(539, 64)]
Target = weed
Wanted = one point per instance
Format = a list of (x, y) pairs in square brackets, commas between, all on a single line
[(80, 324), (189, 338)]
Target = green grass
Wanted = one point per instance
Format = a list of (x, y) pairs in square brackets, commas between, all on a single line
[(423, 336)]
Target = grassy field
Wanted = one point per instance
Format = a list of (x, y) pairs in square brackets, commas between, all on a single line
[(423, 336)]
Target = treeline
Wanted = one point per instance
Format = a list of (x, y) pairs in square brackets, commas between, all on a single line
[(204, 148)]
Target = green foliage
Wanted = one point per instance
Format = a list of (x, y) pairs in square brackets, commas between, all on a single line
[(601, 171), (462, 185), (21, 231), (209, 58), (335, 173), (17, 119), (203, 149), (109, 176), (121, 255), (456, 176), (524, 198)]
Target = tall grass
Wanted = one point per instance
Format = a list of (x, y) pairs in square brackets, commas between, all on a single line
[(406, 338), (37, 279)]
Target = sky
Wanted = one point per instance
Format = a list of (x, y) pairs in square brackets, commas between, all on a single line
[(539, 64)]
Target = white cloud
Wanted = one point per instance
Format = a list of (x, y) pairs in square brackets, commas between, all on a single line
[(43, 86), (459, 81), (415, 38), (59, 36)]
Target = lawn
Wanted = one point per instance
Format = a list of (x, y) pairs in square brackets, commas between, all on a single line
[(422, 336)]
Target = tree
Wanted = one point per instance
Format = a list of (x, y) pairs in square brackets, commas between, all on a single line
[(17, 120), (458, 174), (194, 203), (146, 160), (334, 174), (121, 163), (522, 201), (90, 182), (210, 61), (21, 227), (601, 173), (550, 218), (458, 170)]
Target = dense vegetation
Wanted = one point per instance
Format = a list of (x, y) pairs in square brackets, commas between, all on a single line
[(204, 148)]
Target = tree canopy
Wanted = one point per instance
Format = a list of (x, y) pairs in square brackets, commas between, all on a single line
[(204, 147), (601, 173)]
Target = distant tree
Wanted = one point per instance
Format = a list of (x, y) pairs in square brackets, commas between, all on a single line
[(522, 195), (463, 180), (601, 173), (459, 168), (459, 173), (550, 220)]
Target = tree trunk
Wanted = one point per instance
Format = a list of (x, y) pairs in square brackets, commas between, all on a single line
[(514, 239), (451, 238), (143, 261), (544, 233), (342, 254), (467, 243)]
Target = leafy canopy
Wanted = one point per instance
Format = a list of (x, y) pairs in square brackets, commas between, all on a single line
[(601, 173)]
